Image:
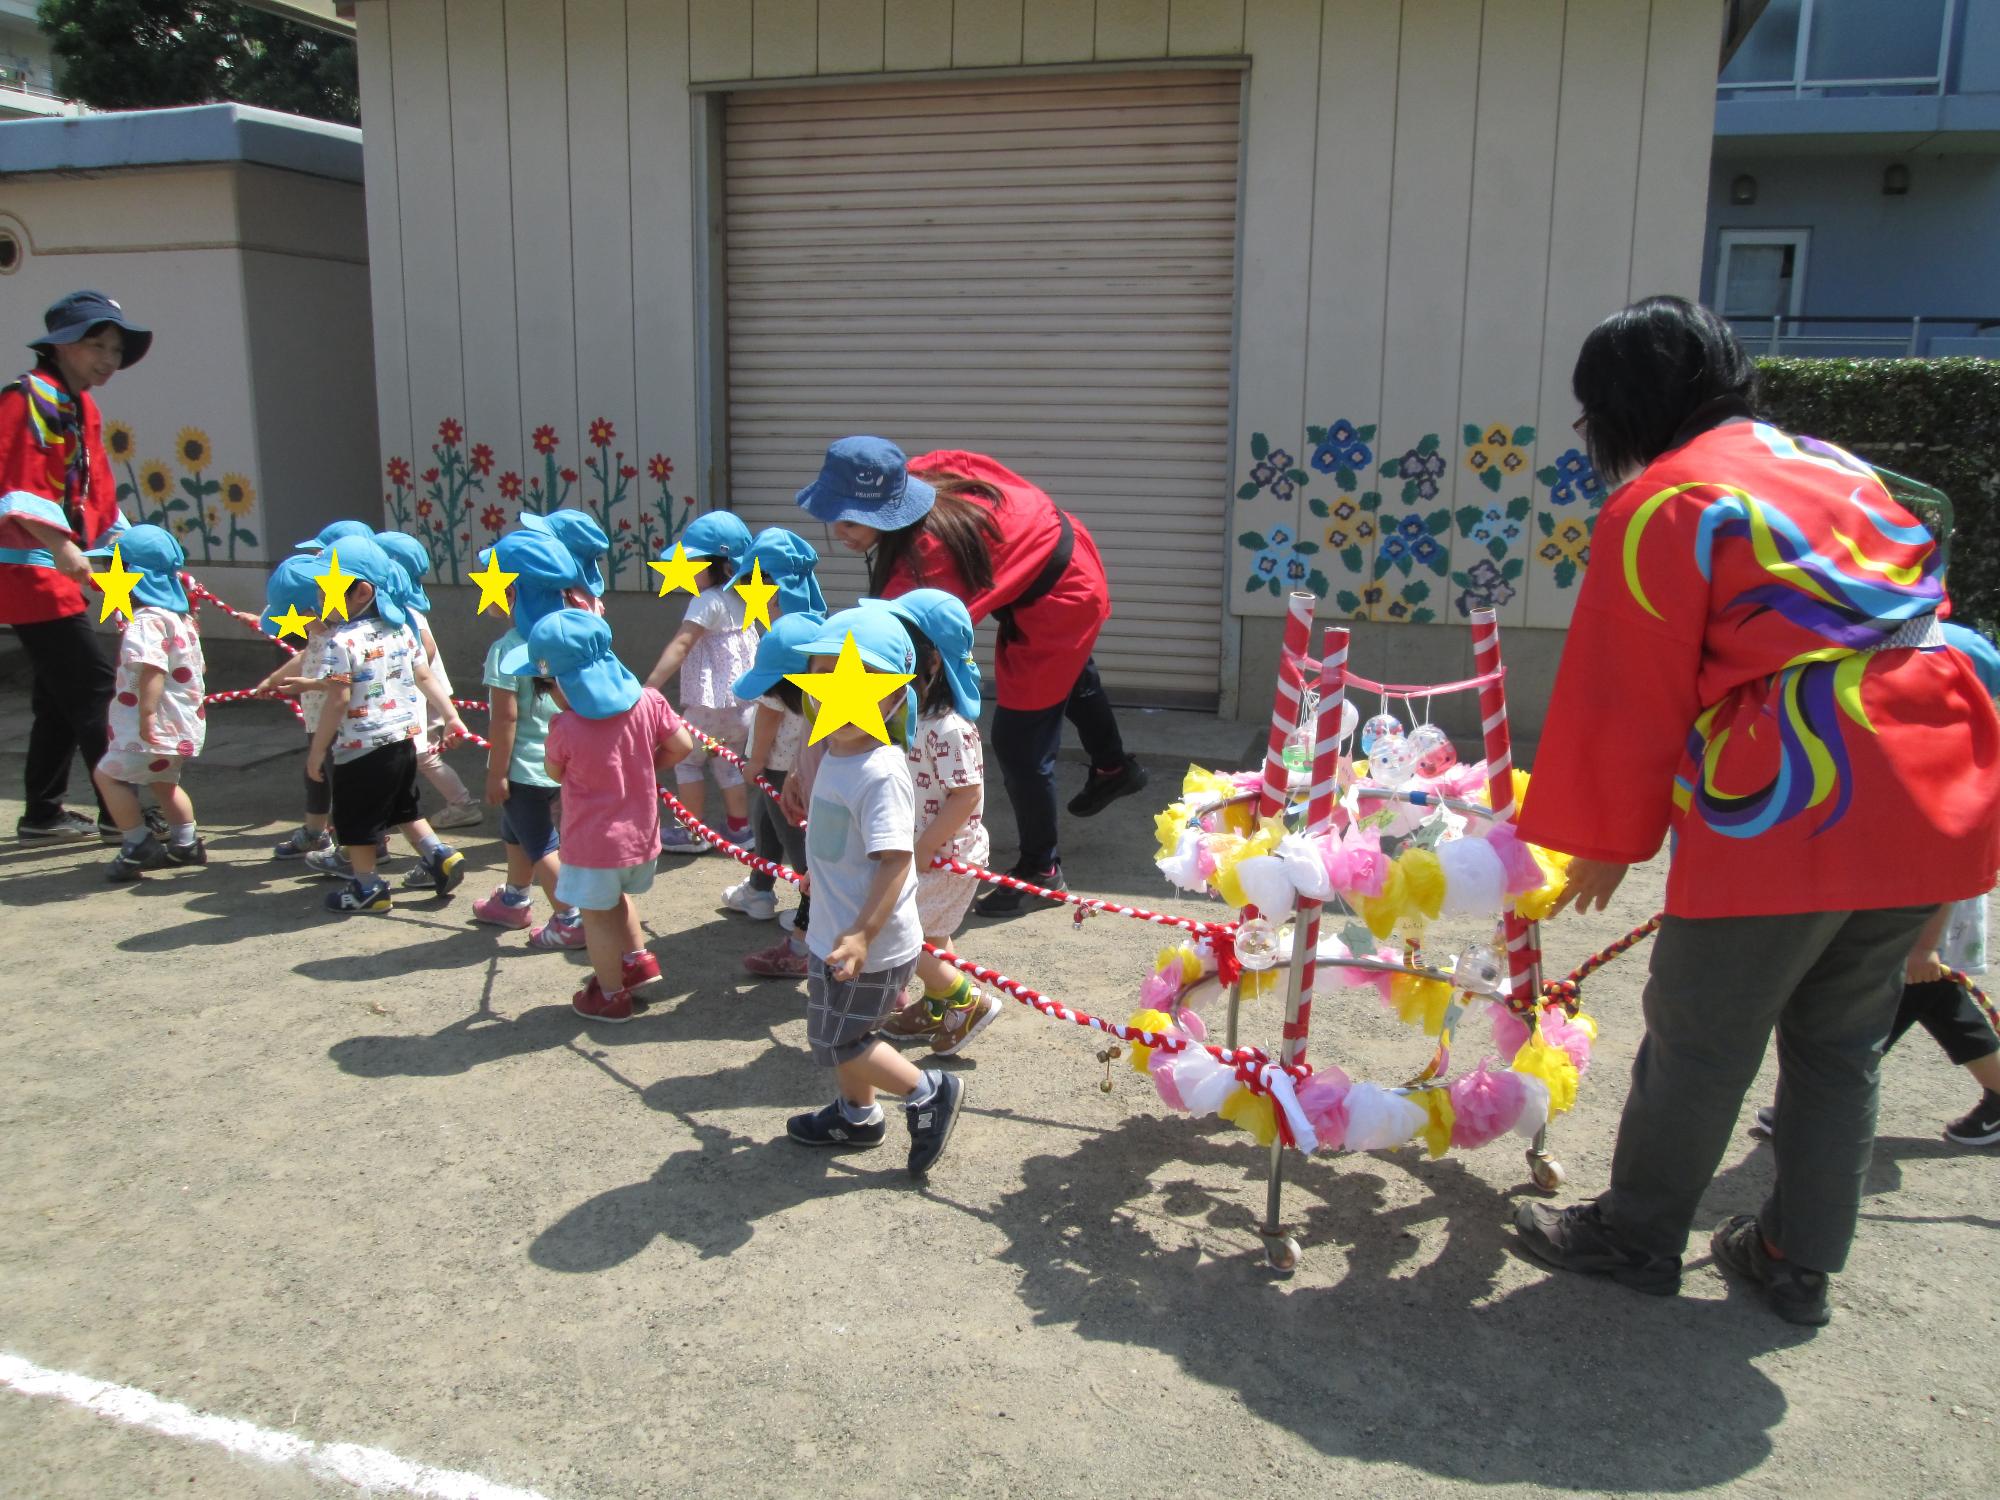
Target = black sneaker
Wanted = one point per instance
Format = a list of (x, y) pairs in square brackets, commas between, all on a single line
[(831, 1128), (352, 896), (188, 854), (1577, 1239), (126, 864), (65, 828), (1981, 1127), (156, 823), (1796, 1294), (1005, 901), (931, 1122), (1106, 787), (442, 870)]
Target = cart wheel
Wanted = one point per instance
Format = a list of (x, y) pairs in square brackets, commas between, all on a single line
[(1282, 1254), (1546, 1170)]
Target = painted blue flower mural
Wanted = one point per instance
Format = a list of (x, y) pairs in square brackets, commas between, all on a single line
[(1572, 478), (1282, 565), (1495, 527), (1273, 470), (1413, 540), (1420, 469), (1486, 584), (1342, 450)]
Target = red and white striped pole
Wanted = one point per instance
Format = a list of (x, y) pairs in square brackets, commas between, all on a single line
[(1524, 958), (1285, 704)]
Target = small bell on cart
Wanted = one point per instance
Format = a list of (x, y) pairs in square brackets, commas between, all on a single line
[(1108, 1056)]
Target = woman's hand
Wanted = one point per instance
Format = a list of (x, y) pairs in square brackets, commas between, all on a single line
[(1592, 883), (1925, 968), (792, 801), (71, 563)]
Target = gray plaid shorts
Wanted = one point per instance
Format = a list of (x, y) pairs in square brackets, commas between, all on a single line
[(842, 1015)]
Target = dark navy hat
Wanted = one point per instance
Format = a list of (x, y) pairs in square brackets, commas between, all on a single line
[(70, 319), (867, 480)]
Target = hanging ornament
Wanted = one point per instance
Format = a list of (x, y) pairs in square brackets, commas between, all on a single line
[(1256, 944), (1393, 761), (1478, 970), (1381, 727), (1435, 752)]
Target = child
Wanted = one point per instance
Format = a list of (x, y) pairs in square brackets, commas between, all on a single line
[(157, 721), (786, 559), (578, 533), (946, 769), (292, 588), (365, 744), (547, 576), (518, 783), (606, 750), (776, 737), (865, 934), (711, 650), (461, 809)]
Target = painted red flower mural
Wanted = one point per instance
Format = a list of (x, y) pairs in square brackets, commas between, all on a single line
[(450, 433), (545, 440), (509, 485), (482, 459)]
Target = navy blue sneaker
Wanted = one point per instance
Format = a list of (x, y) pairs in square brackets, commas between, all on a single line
[(442, 869), (352, 896), (931, 1122), (831, 1128), (126, 864)]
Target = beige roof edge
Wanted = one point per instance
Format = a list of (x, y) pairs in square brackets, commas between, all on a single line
[(336, 16)]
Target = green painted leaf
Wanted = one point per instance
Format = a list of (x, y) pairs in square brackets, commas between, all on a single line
[(1429, 445), (1410, 492), (1490, 477), (1316, 581), (1547, 522), (1549, 476), (1348, 600), (1518, 508), (1347, 479), (1371, 500), (211, 487), (1254, 540), (1351, 559), (246, 535), (1277, 589), (1422, 617), (1463, 580), (176, 504), (1511, 568), (1306, 549), (1468, 517), (1438, 521), (1473, 436), (1417, 592), (1405, 563), (1365, 434), (1260, 446), (192, 490), (1246, 492), (1318, 507), (1315, 435), (1252, 584), (1498, 548), (1565, 573), (1523, 436), (1298, 476), (1441, 564)]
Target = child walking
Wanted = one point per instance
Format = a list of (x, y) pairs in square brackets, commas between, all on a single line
[(365, 745), (777, 735), (518, 783), (947, 771), (606, 749), (713, 647), (461, 809), (157, 722), (293, 590), (866, 934)]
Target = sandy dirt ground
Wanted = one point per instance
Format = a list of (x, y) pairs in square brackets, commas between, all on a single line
[(371, 1181)]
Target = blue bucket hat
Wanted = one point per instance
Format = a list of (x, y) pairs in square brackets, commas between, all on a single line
[(334, 531), (867, 480), (360, 556), (414, 558), (574, 647), (716, 533), (577, 530), (781, 652), (292, 586), (153, 551), (70, 319), (945, 620), (788, 560), (878, 635), (545, 568)]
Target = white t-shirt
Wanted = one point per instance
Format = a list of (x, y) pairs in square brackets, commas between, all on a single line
[(160, 638), (790, 737), (312, 663), (944, 755), (861, 805), (434, 663), (382, 698), (723, 654)]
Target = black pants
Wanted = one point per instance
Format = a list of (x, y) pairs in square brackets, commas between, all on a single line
[(1945, 1010), (71, 703), (1025, 742), (779, 840)]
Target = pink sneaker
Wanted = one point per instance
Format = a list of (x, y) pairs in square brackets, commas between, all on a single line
[(556, 934), (593, 1004), (779, 961), (638, 973), (499, 913)]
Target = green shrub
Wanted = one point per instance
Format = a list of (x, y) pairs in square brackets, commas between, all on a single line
[(1936, 420)]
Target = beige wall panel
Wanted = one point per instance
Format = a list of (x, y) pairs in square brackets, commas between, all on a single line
[(986, 33), (1352, 178), (784, 38), (373, 47), (1205, 28), (850, 36), (719, 45), (290, 213), (1058, 31), (1676, 137), (1590, 259), (544, 276), (163, 206), (916, 34), (1131, 29)]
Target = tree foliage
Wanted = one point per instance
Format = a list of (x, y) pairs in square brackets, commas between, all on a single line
[(151, 54)]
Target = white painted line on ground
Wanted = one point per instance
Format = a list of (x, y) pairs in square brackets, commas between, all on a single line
[(370, 1469)]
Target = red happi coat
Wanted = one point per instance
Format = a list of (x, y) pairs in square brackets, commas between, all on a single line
[(1736, 675), (33, 483)]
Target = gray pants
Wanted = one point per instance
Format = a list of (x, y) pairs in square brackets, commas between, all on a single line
[(1829, 983)]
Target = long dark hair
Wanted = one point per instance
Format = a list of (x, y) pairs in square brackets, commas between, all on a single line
[(933, 686), (963, 522), (1647, 373)]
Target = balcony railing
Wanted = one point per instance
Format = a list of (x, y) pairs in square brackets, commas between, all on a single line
[(1819, 337), (1844, 48)]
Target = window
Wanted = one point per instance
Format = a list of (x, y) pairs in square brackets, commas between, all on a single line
[(1761, 273), (1844, 45)]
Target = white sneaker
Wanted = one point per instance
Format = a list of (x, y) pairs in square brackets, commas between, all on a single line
[(466, 814), (758, 906)]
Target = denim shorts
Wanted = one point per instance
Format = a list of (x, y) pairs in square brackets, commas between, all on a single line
[(597, 889), (528, 818)]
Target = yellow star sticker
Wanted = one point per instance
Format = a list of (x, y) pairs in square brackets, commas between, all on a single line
[(117, 584), (493, 585), (679, 572), (333, 586), (291, 622), (757, 596), (849, 694)]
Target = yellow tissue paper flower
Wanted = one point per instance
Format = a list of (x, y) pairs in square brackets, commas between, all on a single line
[(1252, 1112), (1260, 982), (1536, 904), (1167, 828), (1423, 880), (1538, 1059), (1584, 1022), (1436, 1135), (1383, 912), (1421, 1002), (1231, 851), (1145, 1020)]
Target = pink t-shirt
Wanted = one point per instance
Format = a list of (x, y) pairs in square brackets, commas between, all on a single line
[(610, 795)]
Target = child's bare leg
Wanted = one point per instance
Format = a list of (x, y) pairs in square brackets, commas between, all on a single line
[(546, 871), (1985, 1070), (694, 796), (939, 977), (734, 803), (880, 1067), (605, 936), (174, 802), (120, 800), (316, 822), (362, 857), (520, 869)]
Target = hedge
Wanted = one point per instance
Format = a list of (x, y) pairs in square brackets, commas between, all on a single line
[(1937, 420)]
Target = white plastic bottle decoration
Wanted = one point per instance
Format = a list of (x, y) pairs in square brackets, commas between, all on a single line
[(1477, 970), (1435, 752), (1381, 727), (1256, 944), (1393, 761)]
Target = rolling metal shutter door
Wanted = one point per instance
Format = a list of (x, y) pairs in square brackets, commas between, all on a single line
[(1041, 269)]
